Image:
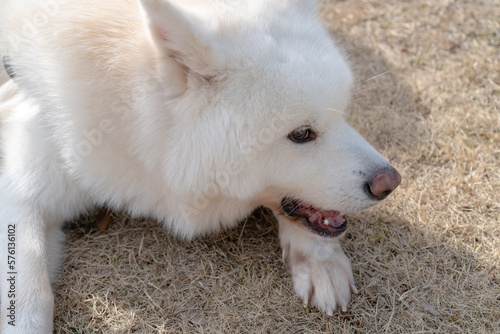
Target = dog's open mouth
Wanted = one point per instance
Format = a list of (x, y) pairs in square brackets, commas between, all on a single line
[(326, 223)]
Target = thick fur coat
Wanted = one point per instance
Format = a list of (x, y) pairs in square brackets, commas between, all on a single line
[(194, 113)]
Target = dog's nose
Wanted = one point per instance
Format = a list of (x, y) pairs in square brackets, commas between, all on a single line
[(384, 183)]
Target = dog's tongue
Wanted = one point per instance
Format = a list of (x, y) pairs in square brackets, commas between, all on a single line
[(322, 218)]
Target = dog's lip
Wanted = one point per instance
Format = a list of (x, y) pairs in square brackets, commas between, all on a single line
[(329, 223)]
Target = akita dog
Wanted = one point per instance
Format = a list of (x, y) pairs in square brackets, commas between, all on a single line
[(192, 112)]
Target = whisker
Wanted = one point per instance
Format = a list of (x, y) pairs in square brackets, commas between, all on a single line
[(296, 204), (364, 88), (378, 75), (375, 85), (369, 87), (288, 201), (336, 110)]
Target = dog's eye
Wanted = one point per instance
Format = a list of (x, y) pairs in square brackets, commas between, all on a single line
[(302, 135)]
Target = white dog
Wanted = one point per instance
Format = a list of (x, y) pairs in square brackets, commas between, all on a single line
[(193, 112)]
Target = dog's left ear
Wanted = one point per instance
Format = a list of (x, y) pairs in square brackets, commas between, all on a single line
[(182, 34)]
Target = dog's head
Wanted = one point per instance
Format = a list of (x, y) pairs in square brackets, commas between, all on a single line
[(267, 89)]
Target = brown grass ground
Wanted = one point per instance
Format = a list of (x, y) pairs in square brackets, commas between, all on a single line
[(425, 261)]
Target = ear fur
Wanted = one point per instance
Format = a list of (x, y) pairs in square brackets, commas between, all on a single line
[(182, 35)]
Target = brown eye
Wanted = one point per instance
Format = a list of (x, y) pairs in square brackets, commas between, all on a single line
[(302, 135)]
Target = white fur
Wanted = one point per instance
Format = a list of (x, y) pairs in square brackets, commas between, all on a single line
[(322, 274), (174, 111)]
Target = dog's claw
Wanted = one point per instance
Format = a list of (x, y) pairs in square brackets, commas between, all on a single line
[(322, 282)]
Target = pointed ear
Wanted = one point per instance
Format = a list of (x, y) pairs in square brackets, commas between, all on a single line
[(181, 34)]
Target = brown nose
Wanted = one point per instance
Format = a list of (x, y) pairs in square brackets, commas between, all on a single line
[(384, 183)]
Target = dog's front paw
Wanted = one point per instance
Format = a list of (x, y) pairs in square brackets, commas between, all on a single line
[(321, 274)]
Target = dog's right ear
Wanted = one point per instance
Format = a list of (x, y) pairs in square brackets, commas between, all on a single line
[(182, 34)]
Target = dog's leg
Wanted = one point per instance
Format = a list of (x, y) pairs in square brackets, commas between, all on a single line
[(55, 251), (321, 272), (36, 197), (26, 294), (31, 252)]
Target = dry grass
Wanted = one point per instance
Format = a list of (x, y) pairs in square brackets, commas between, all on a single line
[(425, 261)]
